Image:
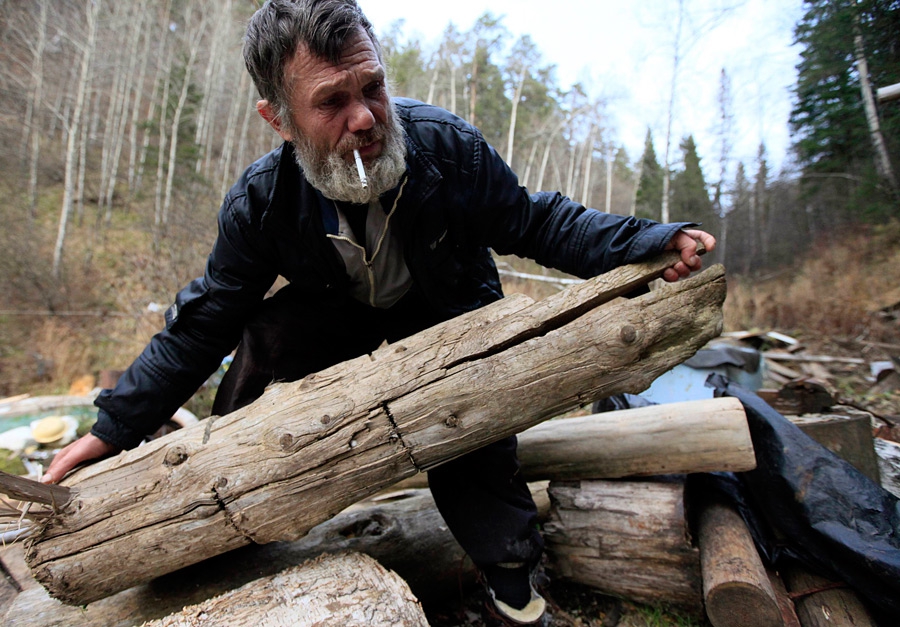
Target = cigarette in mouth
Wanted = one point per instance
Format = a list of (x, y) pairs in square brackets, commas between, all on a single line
[(360, 169)]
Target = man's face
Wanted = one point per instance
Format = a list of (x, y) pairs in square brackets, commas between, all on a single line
[(339, 108)]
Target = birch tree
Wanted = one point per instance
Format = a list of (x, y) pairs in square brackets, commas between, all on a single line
[(92, 7), (32, 122), (523, 55), (194, 39)]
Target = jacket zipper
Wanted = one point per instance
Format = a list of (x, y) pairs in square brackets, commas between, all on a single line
[(368, 263)]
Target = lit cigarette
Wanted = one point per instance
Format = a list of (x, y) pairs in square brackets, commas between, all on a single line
[(360, 169)]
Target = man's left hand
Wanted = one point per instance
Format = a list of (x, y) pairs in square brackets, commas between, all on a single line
[(685, 241)]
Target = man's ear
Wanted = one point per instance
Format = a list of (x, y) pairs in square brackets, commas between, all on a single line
[(267, 112)]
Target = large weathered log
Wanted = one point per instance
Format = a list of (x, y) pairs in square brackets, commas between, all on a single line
[(736, 587), (347, 589), (402, 530), (306, 450), (626, 538)]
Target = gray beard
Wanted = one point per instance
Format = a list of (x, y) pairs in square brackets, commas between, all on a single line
[(337, 179)]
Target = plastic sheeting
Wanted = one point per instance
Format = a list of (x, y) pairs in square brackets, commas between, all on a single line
[(805, 503)]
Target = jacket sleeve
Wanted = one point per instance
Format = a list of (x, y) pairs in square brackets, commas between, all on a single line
[(554, 230), (202, 326)]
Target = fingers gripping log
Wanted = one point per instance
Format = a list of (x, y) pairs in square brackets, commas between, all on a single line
[(305, 450)]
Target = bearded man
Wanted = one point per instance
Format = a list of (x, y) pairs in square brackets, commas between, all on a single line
[(381, 213)]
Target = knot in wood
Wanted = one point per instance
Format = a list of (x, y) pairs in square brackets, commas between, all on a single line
[(628, 334), (452, 421), (175, 455), (286, 441), (325, 420)]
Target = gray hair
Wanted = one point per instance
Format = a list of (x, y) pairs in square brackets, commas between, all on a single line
[(277, 29)]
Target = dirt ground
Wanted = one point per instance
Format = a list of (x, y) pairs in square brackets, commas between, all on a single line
[(569, 605)]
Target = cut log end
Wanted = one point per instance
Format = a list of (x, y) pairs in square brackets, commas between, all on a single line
[(740, 604)]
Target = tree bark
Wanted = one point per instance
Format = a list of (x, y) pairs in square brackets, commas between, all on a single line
[(305, 450), (626, 538)]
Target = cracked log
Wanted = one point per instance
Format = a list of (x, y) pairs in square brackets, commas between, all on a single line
[(348, 589), (305, 450)]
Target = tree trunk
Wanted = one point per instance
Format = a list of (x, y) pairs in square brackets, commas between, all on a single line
[(609, 180), (511, 137), (215, 57), (882, 160), (249, 112), (237, 99), (676, 60), (137, 102), (32, 123), (69, 182), (162, 66), (736, 587), (626, 538), (588, 163), (305, 450), (194, 47)]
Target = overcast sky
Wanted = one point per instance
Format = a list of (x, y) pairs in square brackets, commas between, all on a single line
[(623, 51)]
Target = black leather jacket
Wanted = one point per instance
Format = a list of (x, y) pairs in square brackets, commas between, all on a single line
[(460, 201)]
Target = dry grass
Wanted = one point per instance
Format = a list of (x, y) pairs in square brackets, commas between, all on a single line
[(835, 292)]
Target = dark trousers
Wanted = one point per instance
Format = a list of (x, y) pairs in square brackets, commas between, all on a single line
[(481, 495)]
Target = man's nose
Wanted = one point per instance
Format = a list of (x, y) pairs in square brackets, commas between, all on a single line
[(361, 117)]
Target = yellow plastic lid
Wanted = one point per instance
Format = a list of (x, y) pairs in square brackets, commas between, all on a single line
[(49, 429)]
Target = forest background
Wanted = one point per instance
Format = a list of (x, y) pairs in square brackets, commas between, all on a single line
[(122, 124)]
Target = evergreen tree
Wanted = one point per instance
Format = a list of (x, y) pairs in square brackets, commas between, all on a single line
[(405, 62), (833, 142), (737, 225), (648, 199), (690, 198)]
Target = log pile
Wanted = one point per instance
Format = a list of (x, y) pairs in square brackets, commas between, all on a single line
[(306, 450)]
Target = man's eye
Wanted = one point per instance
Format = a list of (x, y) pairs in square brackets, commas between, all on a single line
[(375, 89), (330, 103)]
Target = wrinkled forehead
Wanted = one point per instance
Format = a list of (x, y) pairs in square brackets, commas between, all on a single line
[(359, 58)]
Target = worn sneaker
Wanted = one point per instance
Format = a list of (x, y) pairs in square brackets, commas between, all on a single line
[(511, 587)]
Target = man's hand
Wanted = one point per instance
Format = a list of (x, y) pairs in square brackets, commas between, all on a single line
[(86, 448), (685, 242)]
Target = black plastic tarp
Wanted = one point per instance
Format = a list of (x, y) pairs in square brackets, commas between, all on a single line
[(819, 509)]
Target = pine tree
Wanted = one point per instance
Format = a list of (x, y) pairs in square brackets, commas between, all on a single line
[(648, 199), (737, 255), (690, 197), (833, 144)]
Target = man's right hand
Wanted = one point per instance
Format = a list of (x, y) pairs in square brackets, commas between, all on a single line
[(84, 449)]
